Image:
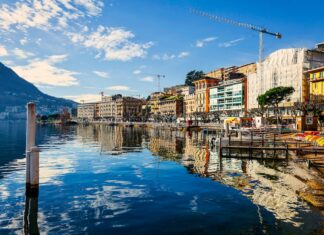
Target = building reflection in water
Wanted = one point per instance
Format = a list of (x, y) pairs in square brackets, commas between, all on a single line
[(31, 216), (113, 140), (269, 184)]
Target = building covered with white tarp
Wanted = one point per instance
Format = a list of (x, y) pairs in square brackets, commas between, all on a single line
[(284, 67)]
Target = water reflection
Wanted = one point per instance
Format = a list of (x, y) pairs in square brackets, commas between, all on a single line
[(130, 180), (31, 216), (113, 140), (270, 184)]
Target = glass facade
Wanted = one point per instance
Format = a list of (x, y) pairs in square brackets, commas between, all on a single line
[(227, 97)]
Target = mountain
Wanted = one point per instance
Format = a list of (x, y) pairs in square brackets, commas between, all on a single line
[(15, 93)]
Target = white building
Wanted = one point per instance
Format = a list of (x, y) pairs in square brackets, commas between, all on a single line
[(284, 67), (107, 107), (228, 95), (87, 111)]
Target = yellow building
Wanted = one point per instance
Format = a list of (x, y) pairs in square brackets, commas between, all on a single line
[(232, 72), (154, 102), (247, 69), (171, 106), (202, 93), (189, 104), (316, 84), (217, 74)]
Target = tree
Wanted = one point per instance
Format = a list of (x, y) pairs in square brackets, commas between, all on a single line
[(273, 97), (193, 76)]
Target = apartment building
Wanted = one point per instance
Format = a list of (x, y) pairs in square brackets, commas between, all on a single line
[(229, 96), (179, 90), (316, 84), (189, 105), (154, 102), (107, 107), (202, 93), (128, 108), (171, 106), (87, 111), (232, 72), (285, 67)]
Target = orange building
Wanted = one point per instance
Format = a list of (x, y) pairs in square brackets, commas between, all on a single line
[(202, 93)]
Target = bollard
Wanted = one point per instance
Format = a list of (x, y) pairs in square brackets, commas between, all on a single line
[(34, 170), (239, 135), (227, 130), (220, 147), (30, 138)]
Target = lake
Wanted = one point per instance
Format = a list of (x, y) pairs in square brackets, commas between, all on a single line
[(114, 180)]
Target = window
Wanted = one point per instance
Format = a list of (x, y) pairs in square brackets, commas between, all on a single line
[(295, 58)]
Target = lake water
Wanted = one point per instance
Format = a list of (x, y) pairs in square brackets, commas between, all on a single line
[(113, 180)]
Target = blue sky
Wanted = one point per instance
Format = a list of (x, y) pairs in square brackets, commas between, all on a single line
[(78, 48)]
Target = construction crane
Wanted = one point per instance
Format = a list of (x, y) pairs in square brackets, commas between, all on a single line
[(259, 29), (101, 93), (158, 76)]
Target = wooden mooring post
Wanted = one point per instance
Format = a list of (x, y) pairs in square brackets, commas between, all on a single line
[(32, 152), (220, 147)]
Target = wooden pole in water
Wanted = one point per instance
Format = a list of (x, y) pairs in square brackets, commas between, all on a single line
[(220, 147), (274, 145), (227, 130), (30, 138), (240, 138), (34, 170), (262, 139), (229, 144)]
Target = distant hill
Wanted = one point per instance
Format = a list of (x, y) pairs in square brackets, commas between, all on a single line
[(15, 93)]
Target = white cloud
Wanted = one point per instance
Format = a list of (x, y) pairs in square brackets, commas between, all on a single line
[(147, 79), (84, 97), (203, 42), (230, 43), (44, 72), (22, 54), (57, 58), (183, 54), (118, 88), (38, 41), (164, 56), (113, 43), (46, 14), (167, 56), (94, 7), (3, 51), (101, 74), (23, 41), (137, 71), (8, 62)]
